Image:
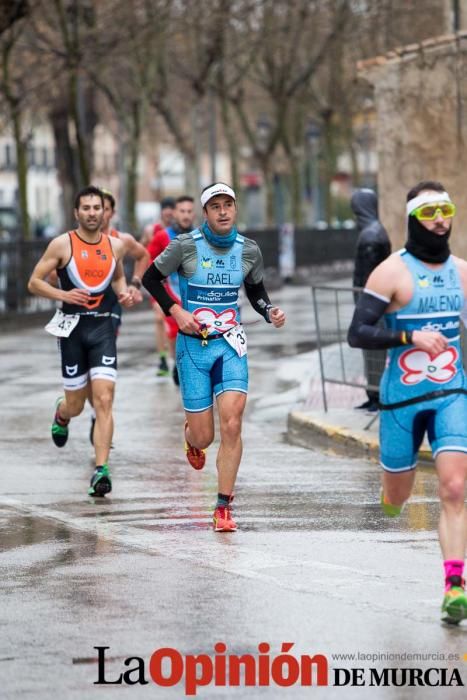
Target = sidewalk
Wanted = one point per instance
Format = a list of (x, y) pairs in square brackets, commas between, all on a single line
[(341, 428)]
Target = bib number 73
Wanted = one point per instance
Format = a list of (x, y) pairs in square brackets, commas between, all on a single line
[(236, 338)]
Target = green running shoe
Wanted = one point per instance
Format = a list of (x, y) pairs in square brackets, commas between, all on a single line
[(163, 369), (58, 430), (100, 482), (454, 607), (389, 509)]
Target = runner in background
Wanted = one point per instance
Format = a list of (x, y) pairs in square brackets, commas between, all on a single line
[(183, 222), (151, 238), (89, 267)]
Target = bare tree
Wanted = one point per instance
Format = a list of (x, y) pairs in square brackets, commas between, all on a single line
[(245, 73), (290, 42), (188, 60), (66, 35), (126, 80), (11, 11), (15, 90)]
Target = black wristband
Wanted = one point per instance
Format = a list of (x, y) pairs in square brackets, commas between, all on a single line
[(406, 337), (136, 282)]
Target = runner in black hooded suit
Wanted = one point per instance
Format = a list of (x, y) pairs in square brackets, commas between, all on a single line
[(373, 246)]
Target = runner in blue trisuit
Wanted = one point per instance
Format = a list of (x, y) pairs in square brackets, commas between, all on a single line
[(420, 291), (212, 263)]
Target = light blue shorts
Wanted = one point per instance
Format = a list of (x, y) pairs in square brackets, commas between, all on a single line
[(402, 430), (207, 370)]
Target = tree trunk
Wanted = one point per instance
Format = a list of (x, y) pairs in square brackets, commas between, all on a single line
[(14, 106), (74, 109), (328, 166), (192, 175), (191, 156), (269, 185), (22, 175), (296, 189), (292, 141), (65, 162), (122, 176), (130, 129), (356, 177), (132, 168), (232, 148)]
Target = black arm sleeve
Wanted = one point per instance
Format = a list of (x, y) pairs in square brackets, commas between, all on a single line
[(152, 281), (258, 298), (363, 331)]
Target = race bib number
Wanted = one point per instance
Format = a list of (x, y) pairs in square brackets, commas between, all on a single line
[(236, 338), (62, 324)]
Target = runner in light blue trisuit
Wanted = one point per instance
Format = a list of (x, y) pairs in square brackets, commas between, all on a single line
[(212, 263)]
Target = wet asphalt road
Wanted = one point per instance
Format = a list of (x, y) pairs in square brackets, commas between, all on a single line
[(314, 562)]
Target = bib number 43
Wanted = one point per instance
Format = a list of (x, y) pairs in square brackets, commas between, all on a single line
[(62, 324)]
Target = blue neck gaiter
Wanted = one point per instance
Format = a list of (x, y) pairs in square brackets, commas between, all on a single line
[(217, 240)]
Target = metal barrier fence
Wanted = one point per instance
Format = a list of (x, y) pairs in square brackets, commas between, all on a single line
[(340, 364), (17, 259)]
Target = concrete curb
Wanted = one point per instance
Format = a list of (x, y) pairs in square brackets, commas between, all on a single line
[(340, 429)]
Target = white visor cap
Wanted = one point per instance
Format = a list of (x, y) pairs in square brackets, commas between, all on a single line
[(214, 190)]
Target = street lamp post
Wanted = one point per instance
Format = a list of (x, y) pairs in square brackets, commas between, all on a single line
[(313, 136), (263, 131)]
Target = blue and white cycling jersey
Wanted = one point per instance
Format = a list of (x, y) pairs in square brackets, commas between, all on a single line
[(412, 373), (211, 294)]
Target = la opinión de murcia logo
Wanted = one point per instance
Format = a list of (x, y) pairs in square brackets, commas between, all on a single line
[(167, 667)]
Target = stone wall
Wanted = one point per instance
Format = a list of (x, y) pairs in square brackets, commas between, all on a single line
[(421, 103)]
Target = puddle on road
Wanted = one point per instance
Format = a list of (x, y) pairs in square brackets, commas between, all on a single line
[(25, 530), (308, 516)]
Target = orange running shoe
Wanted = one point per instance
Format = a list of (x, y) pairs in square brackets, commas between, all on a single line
[(223, 521), (195, 456)]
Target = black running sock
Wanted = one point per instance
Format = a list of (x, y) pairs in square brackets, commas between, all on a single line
[(223, 500)]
